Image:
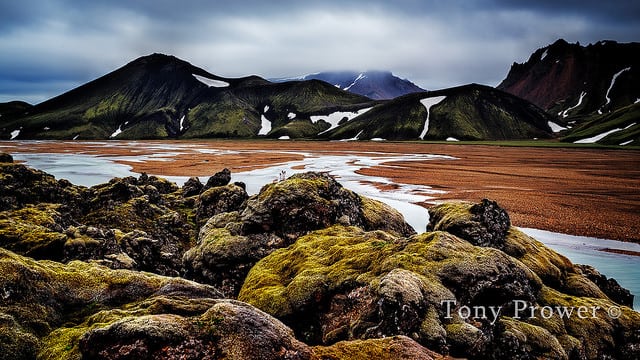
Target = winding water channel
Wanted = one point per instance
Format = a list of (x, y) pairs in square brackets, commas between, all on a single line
[(89, 169)]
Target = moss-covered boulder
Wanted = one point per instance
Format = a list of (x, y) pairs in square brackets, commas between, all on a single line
[(6, 158), (482, 224), (35, 230), (344, 283), (231, 242), (49, 310), (22, 185), (220, 178), (219, 199), (40, 296)]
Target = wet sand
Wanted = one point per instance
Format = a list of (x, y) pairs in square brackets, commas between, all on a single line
[(588, 192)]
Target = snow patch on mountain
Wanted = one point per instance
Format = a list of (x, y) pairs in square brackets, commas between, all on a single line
[(334, 118), (182, 122), (565, 113), (599, 137), (355, 138), (428, 103), (211, 82), (265, 125), (544, 54), (613, 81), (360, 77), (117, 132), (555, 127)]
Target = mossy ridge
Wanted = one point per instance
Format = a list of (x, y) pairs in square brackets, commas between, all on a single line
[(63, 343), (43, 295), (291, 282), (34, 230), (298, 282), (390, 348), (622, 118)]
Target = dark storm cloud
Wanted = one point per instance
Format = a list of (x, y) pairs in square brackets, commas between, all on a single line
[(47, 47)]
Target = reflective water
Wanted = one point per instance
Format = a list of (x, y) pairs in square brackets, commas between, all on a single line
[(88, 170)]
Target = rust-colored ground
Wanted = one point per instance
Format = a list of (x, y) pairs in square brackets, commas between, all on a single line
[(592, 192)]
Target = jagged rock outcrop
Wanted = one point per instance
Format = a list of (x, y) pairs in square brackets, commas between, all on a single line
[(233, 241), (21, 186), (482, 224), (50, 310), (321, 272), (345, 283), (144, 223)]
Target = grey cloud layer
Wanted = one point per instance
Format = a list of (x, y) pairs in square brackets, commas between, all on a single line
[(47, 47)]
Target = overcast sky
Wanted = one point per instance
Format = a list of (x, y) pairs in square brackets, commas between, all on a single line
[(50, 46)]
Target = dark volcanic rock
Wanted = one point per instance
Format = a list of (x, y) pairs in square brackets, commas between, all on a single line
[(609, 286), (343, 283), (221, 178), (6, 158), (219, 199), (482, 224), (21, 186), (192, 187), (232, 241)]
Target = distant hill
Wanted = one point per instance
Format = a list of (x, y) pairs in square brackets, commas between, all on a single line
[(584, 87), (376, 85), (470, 112), (160, 96)]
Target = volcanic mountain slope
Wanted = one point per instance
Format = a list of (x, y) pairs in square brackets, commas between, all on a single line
[(160, 96), (377, 85), (593, 90), (470, 112)]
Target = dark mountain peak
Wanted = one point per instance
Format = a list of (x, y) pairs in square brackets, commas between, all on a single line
[(571, 79), (374, 84)]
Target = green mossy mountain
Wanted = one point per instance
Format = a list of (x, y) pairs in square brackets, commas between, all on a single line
[(470, 112), (305, 269), (160, 96)]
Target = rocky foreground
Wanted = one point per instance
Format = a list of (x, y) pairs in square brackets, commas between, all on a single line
[(139, 268)]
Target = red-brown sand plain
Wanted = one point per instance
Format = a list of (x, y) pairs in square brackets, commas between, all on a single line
[(590, 192)]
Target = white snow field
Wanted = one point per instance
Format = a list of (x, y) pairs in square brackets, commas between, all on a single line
[(334, 118), (599, 137)]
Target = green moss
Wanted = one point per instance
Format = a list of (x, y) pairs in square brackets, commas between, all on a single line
[(63, 343), (598, 330), (324, 261), (449, 213), (391, 348), (33, 231), (550, 266), (533, 340), (108, 105)]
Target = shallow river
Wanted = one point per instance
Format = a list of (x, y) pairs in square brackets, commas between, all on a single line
[(88, 170)]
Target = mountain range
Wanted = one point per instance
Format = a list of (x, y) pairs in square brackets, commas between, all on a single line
[(566, 91), (592, 90), (376, 85), (160, 96)]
